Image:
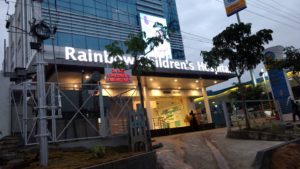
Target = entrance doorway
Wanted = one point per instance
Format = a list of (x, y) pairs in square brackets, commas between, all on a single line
[(168, 112)]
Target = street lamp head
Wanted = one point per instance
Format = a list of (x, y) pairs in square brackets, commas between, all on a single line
[(41, 30)]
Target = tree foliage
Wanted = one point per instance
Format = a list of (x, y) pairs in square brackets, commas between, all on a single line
[(236, 44), (251, 93), (242, 49), (139, 46)]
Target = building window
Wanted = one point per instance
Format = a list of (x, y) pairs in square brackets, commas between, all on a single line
[(92, 43), (64, 39), (63, 5), (77, 6), (79, 41), (89, 7)]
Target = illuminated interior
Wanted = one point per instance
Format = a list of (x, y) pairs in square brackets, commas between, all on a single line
[(168, 101)]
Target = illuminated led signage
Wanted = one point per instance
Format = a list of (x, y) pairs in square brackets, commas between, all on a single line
[(102, 57), (117, 75)]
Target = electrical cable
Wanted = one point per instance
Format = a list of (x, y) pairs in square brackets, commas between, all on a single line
[(269, 18), (52, 42), (276, 11), (287, 8)]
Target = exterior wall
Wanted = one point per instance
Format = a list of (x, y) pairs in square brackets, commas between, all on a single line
[(5, 120), (18, 52), (85, 24), (95, 24)]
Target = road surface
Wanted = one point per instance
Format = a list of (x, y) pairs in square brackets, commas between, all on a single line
[(208, 150)]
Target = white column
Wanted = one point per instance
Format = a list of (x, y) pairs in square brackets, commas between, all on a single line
[(206, 104), (148, 106)]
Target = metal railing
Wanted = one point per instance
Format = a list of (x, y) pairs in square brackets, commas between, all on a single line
[(74, 111), (260, 113)]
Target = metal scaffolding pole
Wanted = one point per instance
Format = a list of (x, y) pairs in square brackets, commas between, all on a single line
[(42, 116)]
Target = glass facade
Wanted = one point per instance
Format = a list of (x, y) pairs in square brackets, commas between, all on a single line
[(114, 20)]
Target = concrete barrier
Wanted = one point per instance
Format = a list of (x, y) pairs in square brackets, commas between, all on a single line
[(263, 159)]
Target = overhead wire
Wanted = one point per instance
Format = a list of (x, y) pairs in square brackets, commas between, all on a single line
[(52, 41), (275, 11), (275, 8), (268, 18), (283, 6)]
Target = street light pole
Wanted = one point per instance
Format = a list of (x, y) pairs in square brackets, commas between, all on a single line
[(251, 71), (42, 115), (42, 32)]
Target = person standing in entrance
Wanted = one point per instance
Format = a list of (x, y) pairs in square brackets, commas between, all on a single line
[(193, 121), (295, 109)]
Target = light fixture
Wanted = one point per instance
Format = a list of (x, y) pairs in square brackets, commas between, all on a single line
[(87, 77), (75, 85), (215, 82), (151, 79), (41, 30), (175, 80), (158, 87), (107, 86), (179, 88), (197, 81), (197, 88)]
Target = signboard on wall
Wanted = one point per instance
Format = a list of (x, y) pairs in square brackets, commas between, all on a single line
[(148, 26), (234, 6), (279, 83), (113, 75), (83, 55), (280, 88)]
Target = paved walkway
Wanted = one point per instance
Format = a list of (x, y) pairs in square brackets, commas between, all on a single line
[(208, 150)]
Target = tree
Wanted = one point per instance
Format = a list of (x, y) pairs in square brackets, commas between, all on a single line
[(243, 51), (251, 93), (138, 46), (291, 62)]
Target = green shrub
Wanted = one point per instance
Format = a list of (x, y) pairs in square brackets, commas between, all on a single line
[(98, 151)]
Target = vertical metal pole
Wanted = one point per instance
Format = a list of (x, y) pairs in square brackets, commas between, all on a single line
[(206, 103), (42, 116), (25, 116), (103, 125), (247, 114), (238, 18), (251, 71), (53, 110), (267, 91), (227, 117)]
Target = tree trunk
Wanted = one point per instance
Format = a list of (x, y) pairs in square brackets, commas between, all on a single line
[(148, 133), (297, 79), (242, 92)]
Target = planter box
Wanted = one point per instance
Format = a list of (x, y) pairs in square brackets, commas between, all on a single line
[(142, 161), (257, 135), (263, 159)]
